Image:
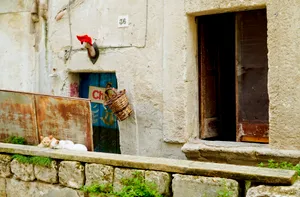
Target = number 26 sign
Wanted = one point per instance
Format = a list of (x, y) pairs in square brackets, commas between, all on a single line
[(123, 21)]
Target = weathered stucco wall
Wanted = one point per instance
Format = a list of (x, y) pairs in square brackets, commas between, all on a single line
[(17, 54), (155, 60), (204, 7), (135, 53), (23, 52), (284, 73)]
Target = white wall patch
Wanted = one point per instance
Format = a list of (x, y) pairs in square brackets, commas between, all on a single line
[(123, 21)]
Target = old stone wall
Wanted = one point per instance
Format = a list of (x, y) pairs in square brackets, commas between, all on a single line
[(65, 178), (71, 170)]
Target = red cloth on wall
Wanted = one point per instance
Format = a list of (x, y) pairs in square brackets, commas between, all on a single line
[(85, 38)]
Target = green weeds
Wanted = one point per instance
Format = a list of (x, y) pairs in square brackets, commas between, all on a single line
[(15, 140), (283, 165), (36, 160), (225, 191), (136, 186)]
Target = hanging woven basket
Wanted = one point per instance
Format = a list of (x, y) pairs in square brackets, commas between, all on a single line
[(118, 103)]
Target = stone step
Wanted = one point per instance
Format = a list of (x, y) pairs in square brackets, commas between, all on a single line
[(239, 153)]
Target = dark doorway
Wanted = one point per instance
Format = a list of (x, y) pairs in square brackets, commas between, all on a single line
[(105, 125), (233, 70), (217, 76)]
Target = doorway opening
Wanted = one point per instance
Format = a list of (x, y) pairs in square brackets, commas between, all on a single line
[(233, 71), (105, 124)]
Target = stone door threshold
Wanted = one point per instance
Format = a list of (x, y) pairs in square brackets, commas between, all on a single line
[(237, 152)]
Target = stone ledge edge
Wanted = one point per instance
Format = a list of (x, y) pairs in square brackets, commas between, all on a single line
[(255, 174)]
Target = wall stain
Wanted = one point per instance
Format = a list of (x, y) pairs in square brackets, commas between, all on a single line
[(74, 90)]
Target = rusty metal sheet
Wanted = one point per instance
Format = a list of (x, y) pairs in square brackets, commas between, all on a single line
[(65, 118), (17, 116)]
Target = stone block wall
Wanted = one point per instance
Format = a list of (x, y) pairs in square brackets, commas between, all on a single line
[(65, 178), (70, 170)]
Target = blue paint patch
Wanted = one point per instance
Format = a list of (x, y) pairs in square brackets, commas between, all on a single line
[(102, 116)]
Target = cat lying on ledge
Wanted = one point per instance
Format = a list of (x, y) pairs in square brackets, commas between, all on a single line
[(51, 142)]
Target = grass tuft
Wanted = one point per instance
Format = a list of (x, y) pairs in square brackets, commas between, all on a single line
[(41, 161), (136, 186), (36, 160), (283, 165), (21, 158), (15, 140)]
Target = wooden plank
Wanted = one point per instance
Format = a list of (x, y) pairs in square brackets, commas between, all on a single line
[(255, 139), (211, 127), (254, 174), (255, 128), (202, 80), (208, 79), (237, 69), (254, 131)]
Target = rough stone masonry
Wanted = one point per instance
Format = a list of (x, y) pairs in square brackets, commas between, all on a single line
[(66, 178), (71, 170)]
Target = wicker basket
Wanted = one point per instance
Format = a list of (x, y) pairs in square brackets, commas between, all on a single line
[(119, 104)]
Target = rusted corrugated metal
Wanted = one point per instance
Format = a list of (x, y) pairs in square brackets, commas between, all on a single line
[(65, 118), (17, 116), (31, 115)]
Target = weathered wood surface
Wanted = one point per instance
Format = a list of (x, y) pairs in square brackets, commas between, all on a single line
[(252, 76), (255, 174)]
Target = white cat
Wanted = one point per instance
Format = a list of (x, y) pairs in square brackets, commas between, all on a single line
[(60, 144), (67, 144), (45, 141), (77, 147)]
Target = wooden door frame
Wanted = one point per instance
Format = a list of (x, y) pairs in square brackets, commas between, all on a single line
[(253, 130), (237, 65), (201, 80), (208, 125)]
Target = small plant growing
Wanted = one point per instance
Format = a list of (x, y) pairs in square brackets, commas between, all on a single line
[(225, 191), (41, 161), (137, 186), (21, 158), (95, 189), (133, 187), (283, 165), (36, 160), (15, 140)]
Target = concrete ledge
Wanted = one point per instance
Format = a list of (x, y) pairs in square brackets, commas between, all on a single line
[(255, 174), (237, 152)]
